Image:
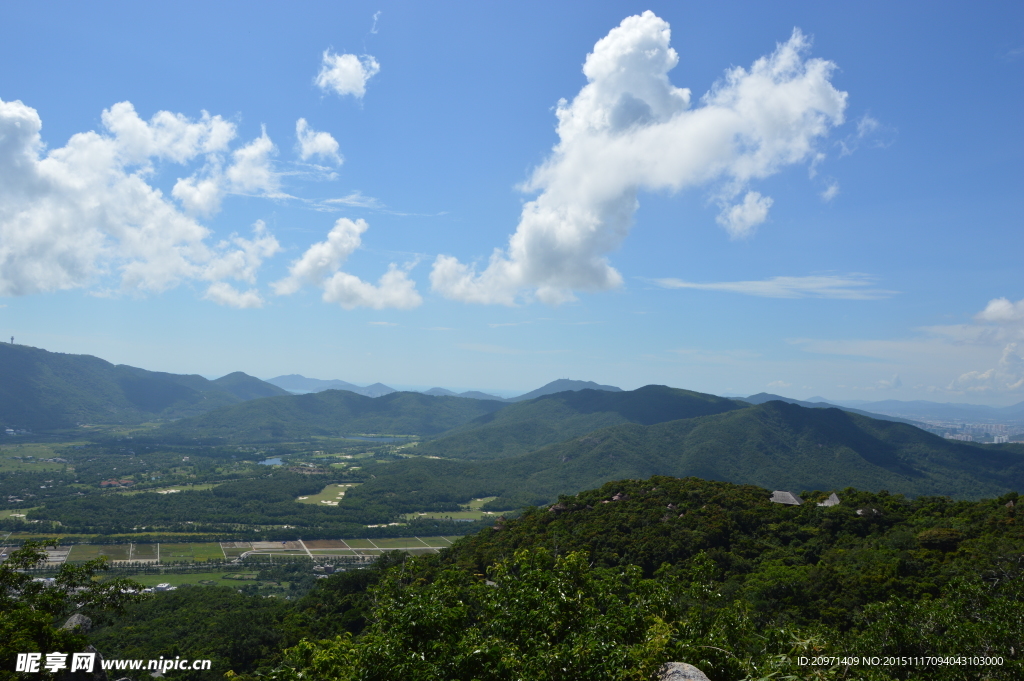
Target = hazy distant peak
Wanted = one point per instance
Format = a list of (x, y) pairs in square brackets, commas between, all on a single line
[(440, 392), (297, 383), (562, 385), (477, 395), (375, 390)]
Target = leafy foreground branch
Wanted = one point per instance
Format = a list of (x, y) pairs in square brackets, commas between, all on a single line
[(31, 610)]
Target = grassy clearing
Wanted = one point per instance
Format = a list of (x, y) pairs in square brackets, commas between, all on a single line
[(16, 512), (360, 543), (173, 489), (470, 511), (331, 493)]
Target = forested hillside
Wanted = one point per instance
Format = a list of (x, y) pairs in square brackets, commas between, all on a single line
[(331, 413), (774, 444), (612, 582), (527, 426)]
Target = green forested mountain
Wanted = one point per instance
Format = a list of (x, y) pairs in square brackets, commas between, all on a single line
[(41, 390), (774, 445), (331, 413), (527, 426)]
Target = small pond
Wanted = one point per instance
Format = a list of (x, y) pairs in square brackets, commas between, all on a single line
[(276, 461)]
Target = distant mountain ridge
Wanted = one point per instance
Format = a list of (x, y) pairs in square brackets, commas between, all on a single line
[(42, 390), (297, 383), (761, 398), (941, 410), (330, 413), (473, 394)]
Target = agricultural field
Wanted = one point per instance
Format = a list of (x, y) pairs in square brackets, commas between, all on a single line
[(83, 552), (198, 552), (144, 552), (329, 496), (193, 578), (191, 552)]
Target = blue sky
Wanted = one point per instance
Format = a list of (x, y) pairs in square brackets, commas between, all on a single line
[(833, 208)]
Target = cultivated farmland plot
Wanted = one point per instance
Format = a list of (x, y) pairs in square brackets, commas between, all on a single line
[(144, 552), (83, 552), (197, 552)]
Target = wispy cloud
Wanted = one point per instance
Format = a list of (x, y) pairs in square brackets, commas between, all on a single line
[(495, 326), (356, 199), (490, 349), (831, 192), (1015, 53), (846, 287)]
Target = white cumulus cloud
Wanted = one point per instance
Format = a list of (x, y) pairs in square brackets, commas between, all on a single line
[(224, 293), (320, 266), (346, 74), (1001, 310), (1006, 376), (314, 143), (85, 213), (741, 219), (250, 172), (1007, 318), (631, 129)]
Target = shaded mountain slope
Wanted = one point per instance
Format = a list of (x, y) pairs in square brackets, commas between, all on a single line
[(527, 426), (774, 445), (41, 390), (331, 413)]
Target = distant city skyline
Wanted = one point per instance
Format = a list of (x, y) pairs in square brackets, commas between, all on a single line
[(730, 198)]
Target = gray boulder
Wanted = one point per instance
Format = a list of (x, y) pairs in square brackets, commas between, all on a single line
[(78, 621), (680, 671)]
